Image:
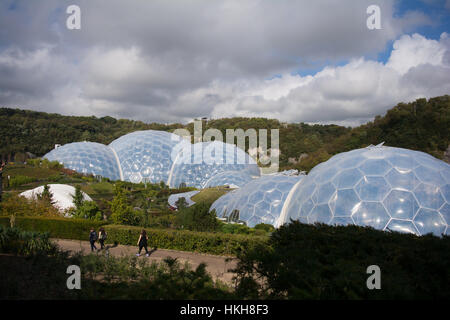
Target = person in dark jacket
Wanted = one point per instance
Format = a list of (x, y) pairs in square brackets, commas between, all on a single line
[(92, 239), (102, 237), (142, 243)]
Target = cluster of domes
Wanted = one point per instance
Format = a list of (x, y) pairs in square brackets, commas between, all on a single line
[(154, 156), (382, 187)]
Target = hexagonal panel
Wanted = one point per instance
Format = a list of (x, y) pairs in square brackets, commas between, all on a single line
[(347, 178), (402, 161), (351, 162), (372, 188), (429, 196), (371, 214), (402, 179), (375, 167), (320, 213), (323, 193), (344, 203), (428, 175), (401, 204), (429, 221)]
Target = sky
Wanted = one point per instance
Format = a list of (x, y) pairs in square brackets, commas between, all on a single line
[(173, 61)]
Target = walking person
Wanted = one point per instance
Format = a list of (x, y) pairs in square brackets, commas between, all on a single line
[(142, 243), (92, 239), (102, 237)]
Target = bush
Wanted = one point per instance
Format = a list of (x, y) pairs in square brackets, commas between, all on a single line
[(20, 206), (20, 180), (65, 228), (327, 262), (88, 210), (236, 228), (204, 242), (265, 227), (197, 218), (13, 240)]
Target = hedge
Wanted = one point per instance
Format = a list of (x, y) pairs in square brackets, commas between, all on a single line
[(78, 229), (203, 242), (64, 228)]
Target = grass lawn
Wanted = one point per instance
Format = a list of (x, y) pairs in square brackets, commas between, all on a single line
[(210, 195)]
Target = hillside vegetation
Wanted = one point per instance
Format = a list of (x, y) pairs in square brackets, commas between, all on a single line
[(420, 125)]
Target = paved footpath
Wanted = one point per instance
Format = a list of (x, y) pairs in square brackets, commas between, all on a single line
[(215, 265)]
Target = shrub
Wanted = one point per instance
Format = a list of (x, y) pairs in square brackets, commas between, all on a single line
[(204, 242), (265, 227), (197, 218), (16, 241), (65, 228), (236, 228), (88, 210), (20, 180), (330, 262), (20, 206)]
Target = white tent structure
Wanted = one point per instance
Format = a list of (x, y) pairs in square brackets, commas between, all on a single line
[(62, 195)]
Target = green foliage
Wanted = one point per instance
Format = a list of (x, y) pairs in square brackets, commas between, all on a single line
[(237, 228), (265, 227), (78, 197), (88, 210), (132, 278), (197, 218), (421, 125), (38, 132), (46, 196), (20, 180), (20, 206), (203, 242), (43, 276), (64, 228), (327, 262), (181, 203), (121, 211), (13, 240)]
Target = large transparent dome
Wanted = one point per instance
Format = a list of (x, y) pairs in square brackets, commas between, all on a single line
[(88, 158), (198, 163), (154, 156), (233, 179), (146, 155), (382, 187), (259, 201)]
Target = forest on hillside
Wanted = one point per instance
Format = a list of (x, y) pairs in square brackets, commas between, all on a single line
[(420, 125)]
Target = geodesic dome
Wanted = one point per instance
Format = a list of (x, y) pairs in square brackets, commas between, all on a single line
[(146, 155), (383, 187), (88, 158), (197, 164), (259, 201), (154, 156), (233, 179)]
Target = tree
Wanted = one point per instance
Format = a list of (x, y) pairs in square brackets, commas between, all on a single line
[(78, 197), (121, 211), (88, 210), (181, 203), (197, 218), (46, 196)]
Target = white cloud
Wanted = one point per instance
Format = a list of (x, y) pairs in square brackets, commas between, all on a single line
[(160, 61)]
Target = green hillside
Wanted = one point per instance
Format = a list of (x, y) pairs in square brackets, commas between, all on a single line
[(421, 125)]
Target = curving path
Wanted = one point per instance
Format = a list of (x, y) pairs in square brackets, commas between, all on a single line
[(217, 266)]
